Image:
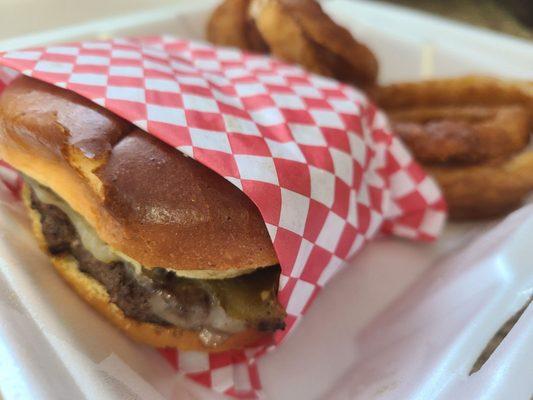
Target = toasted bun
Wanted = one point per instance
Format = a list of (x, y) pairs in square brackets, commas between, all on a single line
[(143, 197), (95, 294)]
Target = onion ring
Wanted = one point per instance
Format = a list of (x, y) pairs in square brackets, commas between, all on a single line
[(297, 31), (485, 190), (300, 31), (471, 134), (462, 134), (230, 25), (467, 90)]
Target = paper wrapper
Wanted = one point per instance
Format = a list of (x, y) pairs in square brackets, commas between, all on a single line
[(315, 156)]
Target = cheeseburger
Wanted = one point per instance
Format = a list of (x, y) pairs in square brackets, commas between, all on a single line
[(163, 247)]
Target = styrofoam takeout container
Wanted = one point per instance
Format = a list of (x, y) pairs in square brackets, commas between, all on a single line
[(405, 321)]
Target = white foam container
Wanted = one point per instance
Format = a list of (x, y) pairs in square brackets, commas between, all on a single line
[(403, 321)]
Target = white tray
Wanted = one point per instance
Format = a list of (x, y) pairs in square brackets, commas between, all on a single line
[(405, 321)]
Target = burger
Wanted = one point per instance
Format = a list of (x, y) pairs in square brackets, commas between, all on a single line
[(170, 252)]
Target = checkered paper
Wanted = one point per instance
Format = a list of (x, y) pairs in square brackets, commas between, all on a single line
[(314, 155)]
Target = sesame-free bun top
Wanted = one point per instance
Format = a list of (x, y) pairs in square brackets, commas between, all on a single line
[(142, 197)]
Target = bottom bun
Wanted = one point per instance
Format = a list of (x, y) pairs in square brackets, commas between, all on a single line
[(95, 294)]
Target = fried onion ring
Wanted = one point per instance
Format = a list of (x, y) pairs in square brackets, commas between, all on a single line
[(230, 25), (297, 31), (485, 190), (300, 31), (471, 134), (468, 119), (462, 134), (467, 90)]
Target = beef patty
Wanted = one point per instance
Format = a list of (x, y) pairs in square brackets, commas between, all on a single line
[(249, 299)]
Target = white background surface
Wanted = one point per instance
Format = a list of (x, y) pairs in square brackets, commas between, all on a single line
[(403, 321)]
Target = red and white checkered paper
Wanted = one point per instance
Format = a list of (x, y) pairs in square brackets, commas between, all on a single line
[(314, 155)]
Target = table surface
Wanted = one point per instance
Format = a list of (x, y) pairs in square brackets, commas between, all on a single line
[(491, 14)]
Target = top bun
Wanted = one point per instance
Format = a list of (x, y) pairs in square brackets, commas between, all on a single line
[(143, 197)]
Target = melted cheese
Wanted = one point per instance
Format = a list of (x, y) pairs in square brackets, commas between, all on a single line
[(88, 236)]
